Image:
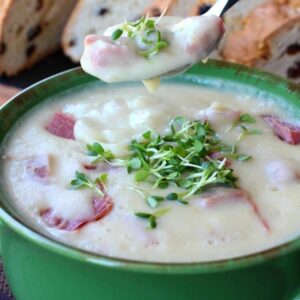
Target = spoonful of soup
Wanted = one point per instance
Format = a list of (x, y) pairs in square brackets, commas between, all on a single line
[(150, 48)]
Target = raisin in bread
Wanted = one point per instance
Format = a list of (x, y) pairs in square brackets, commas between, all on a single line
[(94, 16), (29, 30), (264, 44)]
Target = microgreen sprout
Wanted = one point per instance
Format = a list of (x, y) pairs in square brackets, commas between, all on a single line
[(82, 181), (152, 217), (181, 158), (191, 158), (246, 131), (242, 122), (145, 33), (98, 151)]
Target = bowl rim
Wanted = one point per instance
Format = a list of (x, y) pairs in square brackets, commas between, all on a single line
[(234, 72)]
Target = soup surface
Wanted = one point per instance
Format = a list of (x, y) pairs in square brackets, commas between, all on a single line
[(238, 195)]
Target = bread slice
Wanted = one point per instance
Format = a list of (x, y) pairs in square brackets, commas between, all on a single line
[(247, 45), (94, 16), (29, 30), (283, 48)]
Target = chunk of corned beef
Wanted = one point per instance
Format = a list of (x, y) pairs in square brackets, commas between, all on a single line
[(62, 125), (101, 206), (38, 168), (221, 196), (287, 132)]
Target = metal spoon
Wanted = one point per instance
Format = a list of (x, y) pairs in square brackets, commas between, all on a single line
[(218, 9)]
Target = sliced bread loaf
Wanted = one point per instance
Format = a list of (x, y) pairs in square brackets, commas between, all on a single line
[(269, 38), (29, 30), (283, 51), (247, 44), (94, 16)]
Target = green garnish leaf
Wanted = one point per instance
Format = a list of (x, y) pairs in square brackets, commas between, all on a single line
[(246, 118), (135, 163), (243, 157), (82, 181), (98, 151), (152, 202), (152, 217), (254, 131), (184, 202), (143, 215), (161, 212), (147, 135), (141, 175), (152, 222), (116, 34), (172, 196), (163, 184)]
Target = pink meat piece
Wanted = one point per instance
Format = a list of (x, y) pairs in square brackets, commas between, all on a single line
[(104, 52), (38, 168), (287, 132), (62, 125), (101, 206), (90, 167), (221, 196)]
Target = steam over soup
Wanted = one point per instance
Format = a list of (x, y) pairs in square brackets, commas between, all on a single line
[(188, 174)]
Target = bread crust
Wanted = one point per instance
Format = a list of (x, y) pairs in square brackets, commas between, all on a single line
[(29, 38), (68, 28), (249, 44)]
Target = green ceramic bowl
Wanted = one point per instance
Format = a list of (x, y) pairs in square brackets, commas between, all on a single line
[(38, 268)]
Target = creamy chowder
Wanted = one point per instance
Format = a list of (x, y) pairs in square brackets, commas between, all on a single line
[(87, 198)]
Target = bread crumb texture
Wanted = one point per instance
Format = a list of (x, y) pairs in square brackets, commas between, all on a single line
[(30, 30)]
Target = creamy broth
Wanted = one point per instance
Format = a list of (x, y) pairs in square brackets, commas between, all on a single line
[(114, 116), (188, 41)]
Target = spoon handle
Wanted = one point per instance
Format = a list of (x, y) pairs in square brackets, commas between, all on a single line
[(221, 7)]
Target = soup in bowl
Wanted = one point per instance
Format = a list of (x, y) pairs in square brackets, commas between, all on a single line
[(193, 179)]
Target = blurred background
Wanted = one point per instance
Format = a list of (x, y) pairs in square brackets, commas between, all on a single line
[(42, 37)]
